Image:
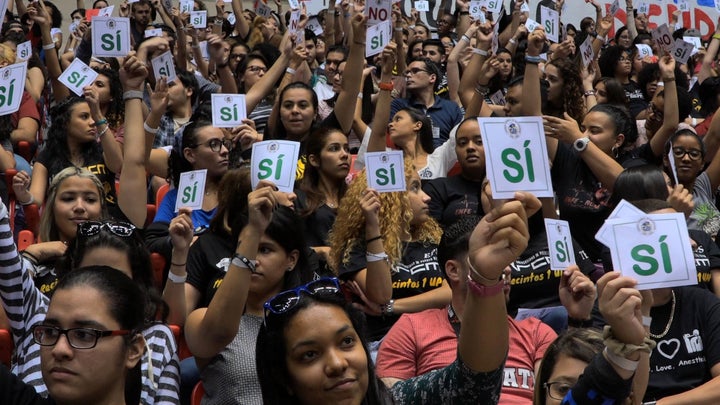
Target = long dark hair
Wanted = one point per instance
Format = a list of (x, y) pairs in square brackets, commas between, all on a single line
[(57, 137), (116, 109), (425, 135), (232, 208), (311, 180), (271, 354), (177, 164), (279, 131)]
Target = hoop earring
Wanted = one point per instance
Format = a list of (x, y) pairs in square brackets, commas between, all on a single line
[(615, 151)]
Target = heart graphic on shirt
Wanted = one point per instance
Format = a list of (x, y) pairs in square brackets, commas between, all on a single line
[(665, 347)]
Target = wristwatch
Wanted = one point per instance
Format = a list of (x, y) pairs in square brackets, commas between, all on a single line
[(581, 144), (388, 309)]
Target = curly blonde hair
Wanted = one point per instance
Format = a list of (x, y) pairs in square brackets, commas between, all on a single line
[(256, 35), (395, 217)]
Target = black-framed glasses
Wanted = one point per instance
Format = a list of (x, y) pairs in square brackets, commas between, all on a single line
[(79, 338), (216, 144), (256, 69), (414, 71), (287, 300), (557, 389), (678, 152), (92, 228)]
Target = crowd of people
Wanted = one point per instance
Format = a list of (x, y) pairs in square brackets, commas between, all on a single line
[(337, 292)]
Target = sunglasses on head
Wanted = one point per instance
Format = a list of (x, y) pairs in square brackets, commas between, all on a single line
[(287, 300), (92, 228)]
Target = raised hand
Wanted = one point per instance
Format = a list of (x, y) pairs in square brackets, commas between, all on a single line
[(577, 293), (621, 304), (181, 229)]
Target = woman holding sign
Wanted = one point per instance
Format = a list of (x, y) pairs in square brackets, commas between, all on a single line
[(385, 244)]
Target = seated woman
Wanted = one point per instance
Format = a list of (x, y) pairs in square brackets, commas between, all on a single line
[(99, 310), (312, 349), (386, 243)]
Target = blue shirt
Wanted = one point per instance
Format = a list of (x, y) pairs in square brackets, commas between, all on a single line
[(166, 212), (444, 114)]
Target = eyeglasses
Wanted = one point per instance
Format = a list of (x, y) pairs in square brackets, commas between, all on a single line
[(240, 56), (557, 389), (79, 338), (415, 71), (216, 144), (257, 69), (680, 153), (92, 228), (287, 300)]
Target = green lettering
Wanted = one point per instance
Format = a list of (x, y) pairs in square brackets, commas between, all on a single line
[(637, 254)]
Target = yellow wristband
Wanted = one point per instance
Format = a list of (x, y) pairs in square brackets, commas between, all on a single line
[(716, 35)]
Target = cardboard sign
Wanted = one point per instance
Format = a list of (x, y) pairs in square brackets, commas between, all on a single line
[(164, 65), (663, 37), (550, 20), (587, 52), (516, 157), (106, 12), (275, 161), (191, 190), (77, 76), (378, 11), (24, 51), (111, 36), (385, 171), (476, 10), (186, 6), (644, 50), (681, 50), (198, 19), (12, 84), (154, 32), (560, 246), (654, 249), (228, 110), (422, 6), (531, 24), (377, 37)]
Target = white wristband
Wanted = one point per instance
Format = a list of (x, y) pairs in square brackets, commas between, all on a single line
[(375, 257), (646, 321), (480, 52), (621, 362), (150, 130), (290, 70), (176, 279)]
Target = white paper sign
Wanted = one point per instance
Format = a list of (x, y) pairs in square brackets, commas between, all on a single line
[(385, 171), (378, 11), (681, 50), (164, 65), (154, 32), (191, 190), (560, 246), (24, 51), (106, 12), (314, 25), (623, 210), (683, 5), (186, 6), (696, 41), (644, 50), (673, 167), (717, 5), (498, 98), (294, 4), (524, 8), (231, 19), (476, 9), (275, 161), (198, 19), (12, 83), (531, 24), (204, 50), (615, 7), (3, 9), (550, 20), (378, 36), (294, 25), (662, 36), (654, 249), (494, 6), (314, 7), (643, 7), (228, 110), (262, 9), (587, 52), (111, 36), (422, 5), (77, 76), (516, 156)]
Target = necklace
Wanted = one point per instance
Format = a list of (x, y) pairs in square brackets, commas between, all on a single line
[(331, 205), (672, 315)]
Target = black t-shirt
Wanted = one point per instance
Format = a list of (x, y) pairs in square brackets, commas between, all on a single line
[(452, 198), (636, 100), (318, 223), (207, 264), (583, 201), (417, 272), (684, 356), (534, 284), (94, 163)]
